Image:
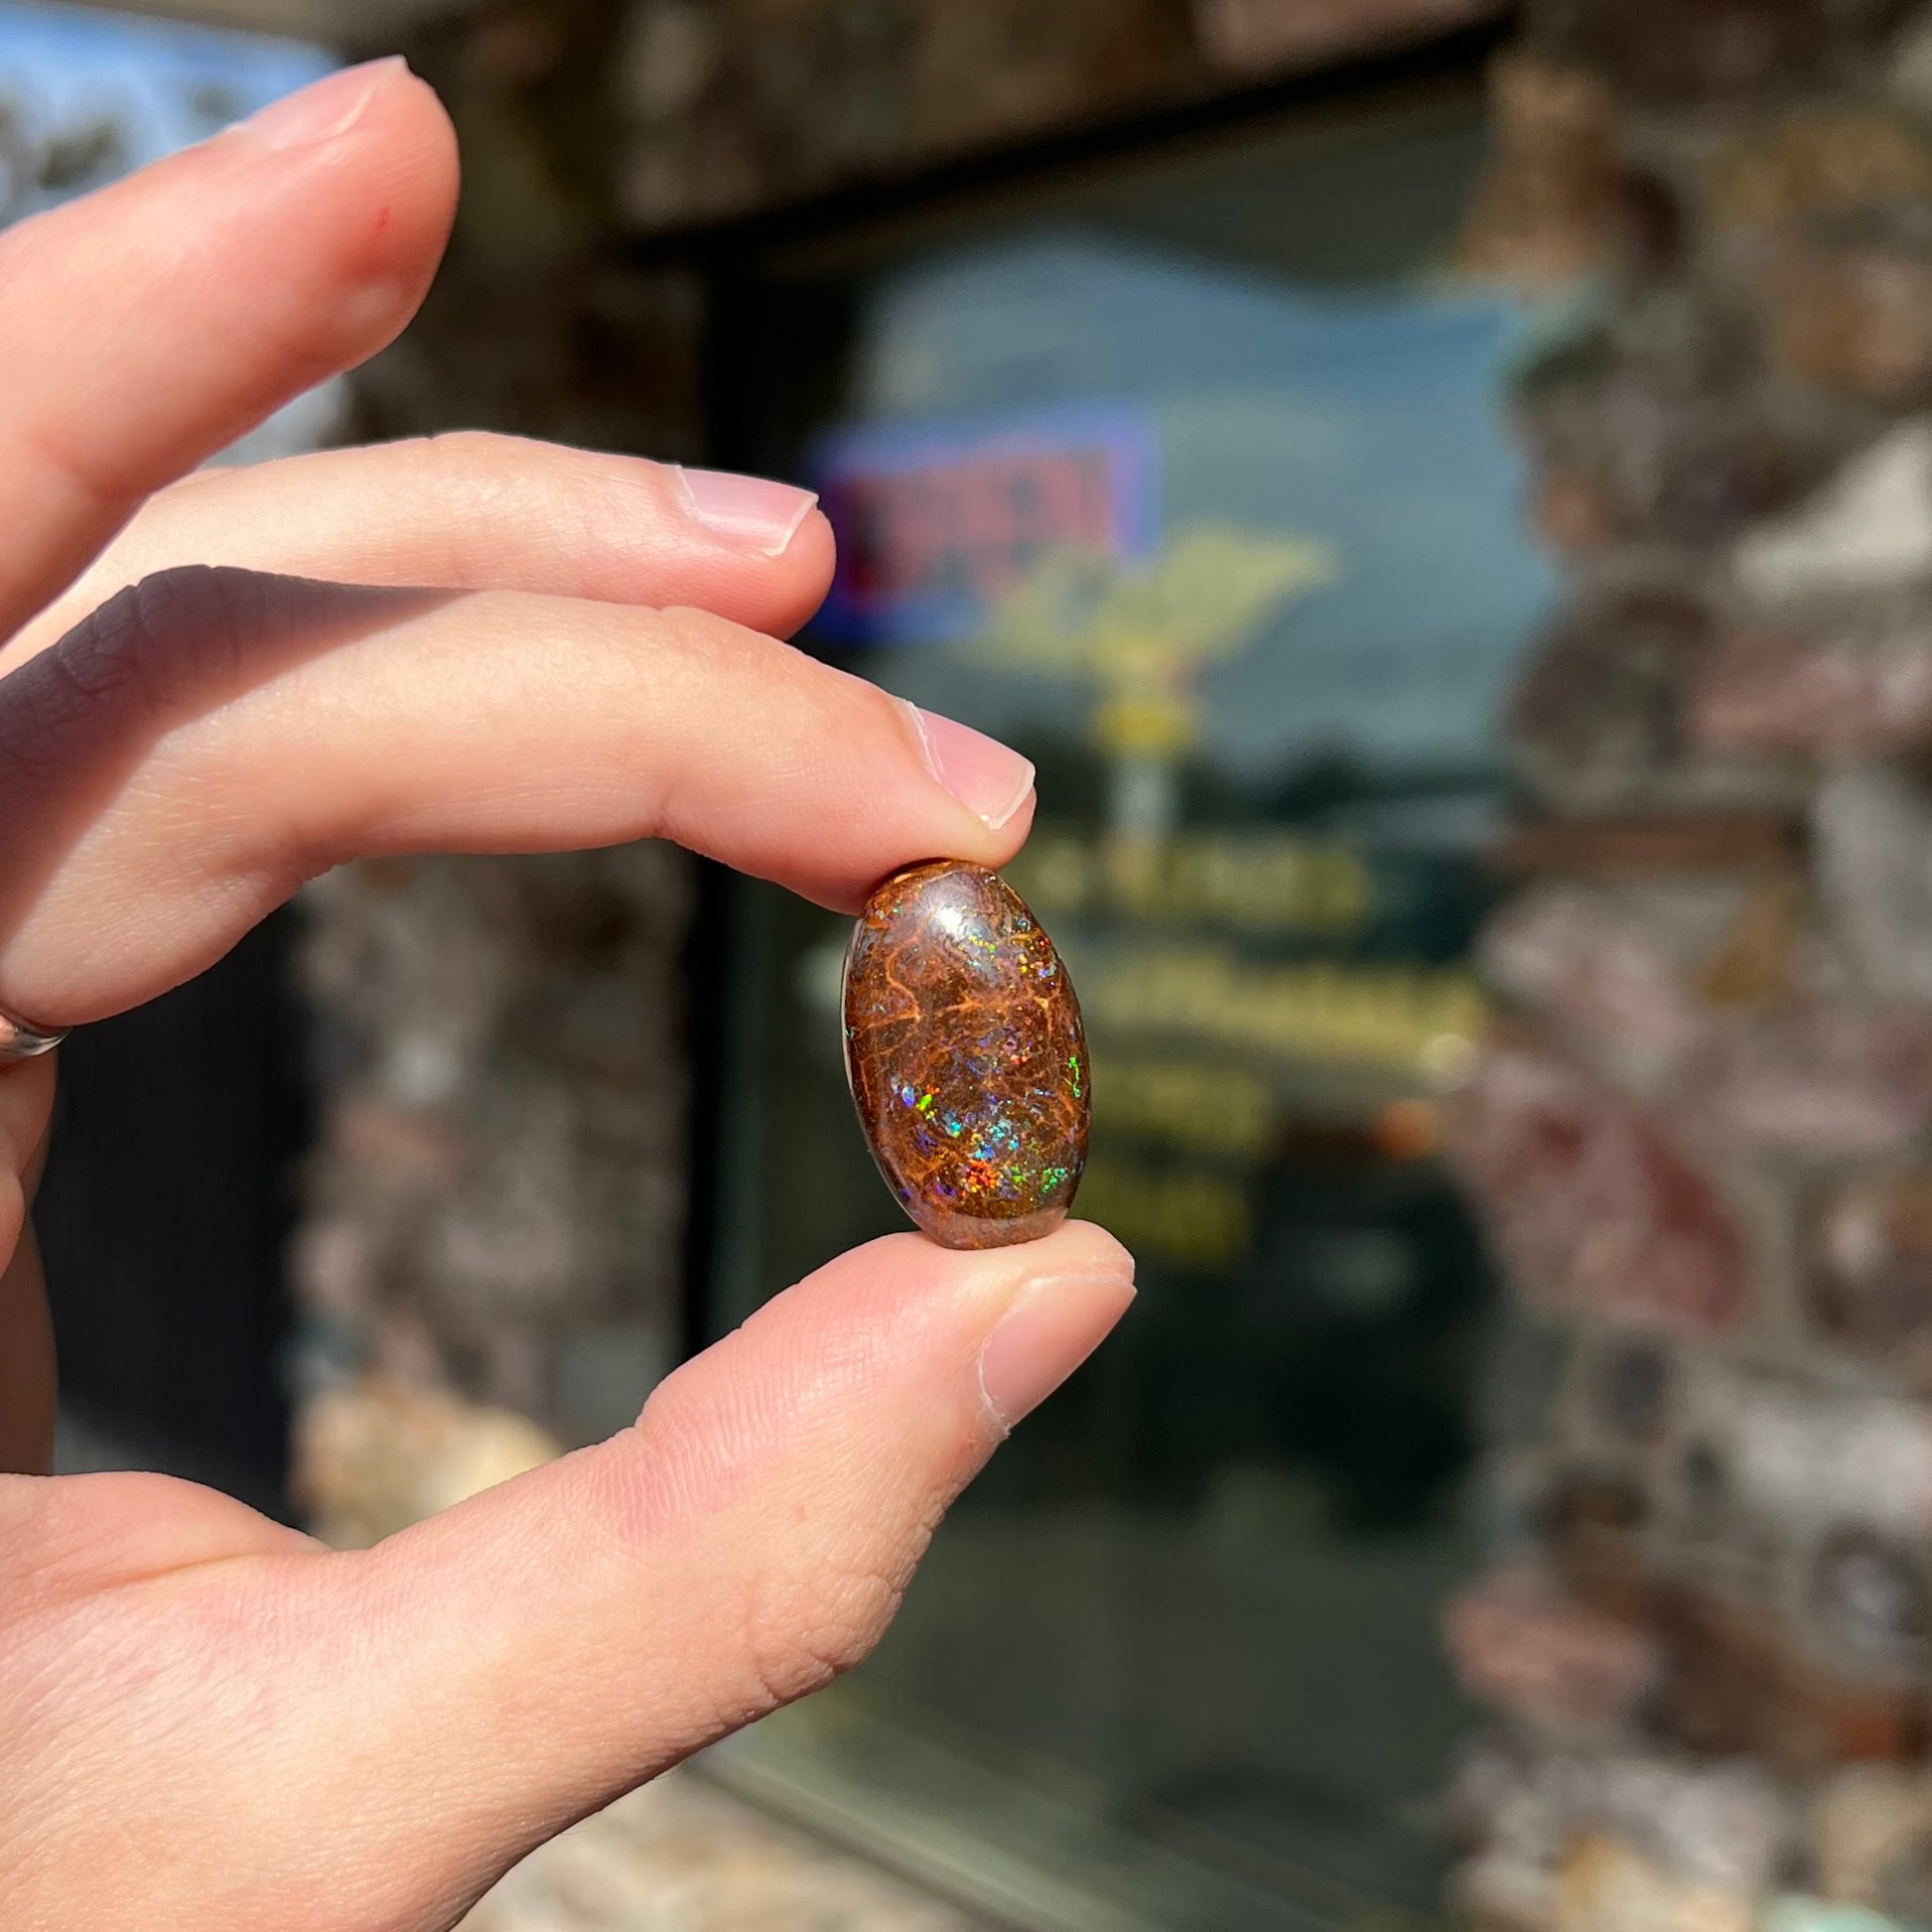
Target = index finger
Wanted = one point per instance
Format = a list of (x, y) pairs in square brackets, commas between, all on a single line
[(179, 762)]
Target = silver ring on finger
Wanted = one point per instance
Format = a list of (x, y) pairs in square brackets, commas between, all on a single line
[(20, 1040)]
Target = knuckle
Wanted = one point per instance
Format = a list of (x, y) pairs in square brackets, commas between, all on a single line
[(158, 631), (702, 634), (126, 659), (108, 648), (462, 451), (801, 1631), (188, 600), (708, 658), (715, 649), (499, 481)]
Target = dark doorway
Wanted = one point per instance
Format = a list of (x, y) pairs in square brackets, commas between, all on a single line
[(165, 1217)]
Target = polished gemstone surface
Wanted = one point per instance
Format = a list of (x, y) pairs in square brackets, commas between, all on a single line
[(966, 1056)]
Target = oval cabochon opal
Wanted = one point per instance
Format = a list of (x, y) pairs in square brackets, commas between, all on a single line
[(966, 1056)]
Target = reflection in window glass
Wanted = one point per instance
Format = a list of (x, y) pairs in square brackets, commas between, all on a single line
[(1193, 484)]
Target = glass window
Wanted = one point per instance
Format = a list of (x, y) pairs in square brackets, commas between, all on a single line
[(1189, 478)]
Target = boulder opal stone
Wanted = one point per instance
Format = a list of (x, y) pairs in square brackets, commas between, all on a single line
[(966, 1056)]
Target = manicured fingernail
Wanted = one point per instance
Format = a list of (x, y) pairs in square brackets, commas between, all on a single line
[(747, 513), (1040, 1341), (320, 112), (986, 776)]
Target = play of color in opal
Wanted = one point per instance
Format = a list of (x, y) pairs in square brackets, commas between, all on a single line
[(966, 1056)]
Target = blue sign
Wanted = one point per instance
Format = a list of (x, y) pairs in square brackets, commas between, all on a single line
[(937, 520)]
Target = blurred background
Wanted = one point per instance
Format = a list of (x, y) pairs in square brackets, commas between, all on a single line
[(1443, 492)]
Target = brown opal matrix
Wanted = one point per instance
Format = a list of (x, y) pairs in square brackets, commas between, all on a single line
[(966, 1056)]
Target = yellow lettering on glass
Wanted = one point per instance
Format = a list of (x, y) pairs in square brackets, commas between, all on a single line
[(1405, 1017), (1197, 1218), (1211, 1109), (1259, 882)]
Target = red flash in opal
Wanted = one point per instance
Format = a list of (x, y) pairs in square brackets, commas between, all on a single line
[(966, 1056)]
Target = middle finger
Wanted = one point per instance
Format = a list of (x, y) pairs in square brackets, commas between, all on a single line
[(483, 514)]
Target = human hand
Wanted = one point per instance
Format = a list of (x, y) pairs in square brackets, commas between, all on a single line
[(207, 1720)]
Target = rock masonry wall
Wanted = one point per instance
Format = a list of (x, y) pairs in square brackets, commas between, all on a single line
[(490, 1264), (725, 107), (1700, 1136)]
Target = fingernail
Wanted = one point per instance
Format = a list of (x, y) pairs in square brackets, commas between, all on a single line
[(322, 110), (1041, 1341), (747, 513), (987, 778)]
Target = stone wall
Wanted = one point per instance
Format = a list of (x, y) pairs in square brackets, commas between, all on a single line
[(591, 125), (1701, 1135), (708, 108), (495, 1215)]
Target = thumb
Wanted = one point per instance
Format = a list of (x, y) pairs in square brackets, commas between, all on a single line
[(553, 1642)]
